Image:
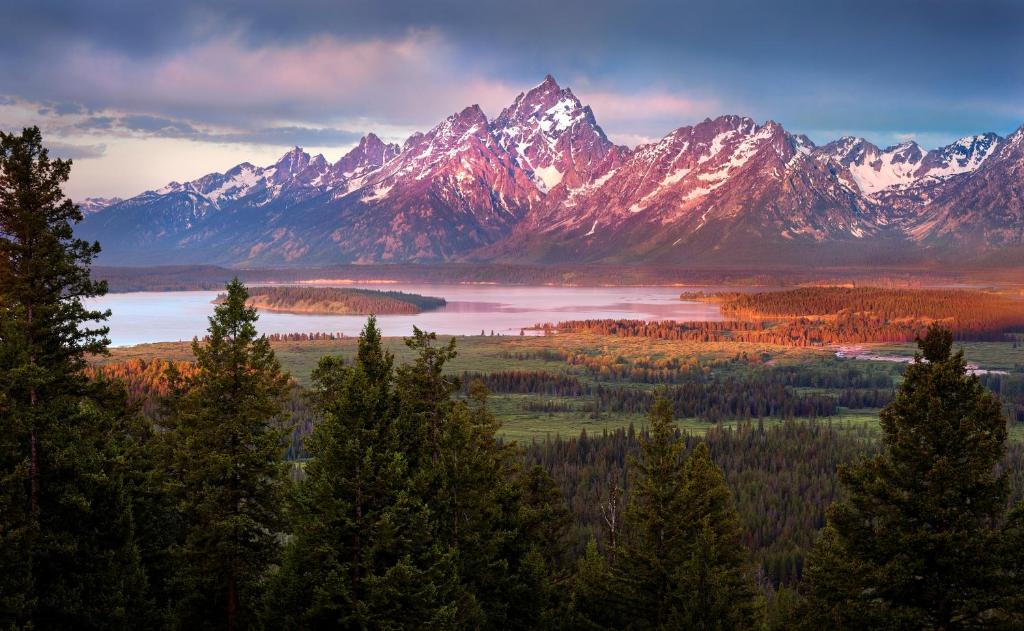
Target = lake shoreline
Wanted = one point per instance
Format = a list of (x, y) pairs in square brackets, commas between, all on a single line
[(144, 317)]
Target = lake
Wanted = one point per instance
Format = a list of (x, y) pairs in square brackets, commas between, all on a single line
[(144, 317)]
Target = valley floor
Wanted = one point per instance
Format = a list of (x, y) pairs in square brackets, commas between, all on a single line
[(561, 385)]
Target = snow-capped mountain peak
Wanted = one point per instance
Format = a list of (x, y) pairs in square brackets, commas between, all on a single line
[(963, 156), (369, 155), (902, 166), (292, 162), (552, 135), (95, 204)]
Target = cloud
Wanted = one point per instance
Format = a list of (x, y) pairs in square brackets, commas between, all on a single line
[(156, 125), (76, 152), (640, 116), (316, 63), (283, 135), (63, 109), (95, 123), (110, 125), (288, 136), (264, 73), (412, 80), (615, 106)]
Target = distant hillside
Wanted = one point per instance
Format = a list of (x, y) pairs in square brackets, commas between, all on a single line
[(338, 301)]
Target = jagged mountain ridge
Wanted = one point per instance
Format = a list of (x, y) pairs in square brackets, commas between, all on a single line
[(448, 191), (905, 165), (711, 189), (542, 182)]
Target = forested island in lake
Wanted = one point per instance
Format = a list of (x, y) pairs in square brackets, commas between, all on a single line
[(338, 301)]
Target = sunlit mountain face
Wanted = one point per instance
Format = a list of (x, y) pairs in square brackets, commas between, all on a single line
[(542, 182)]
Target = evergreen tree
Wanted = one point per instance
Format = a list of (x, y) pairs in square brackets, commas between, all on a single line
[(471, 482), (917, 543), (654, 547), (411, 510), (479, 510), (227, 443), (544, 522), (715, 583), (594, 600), (544, 517), (425, 399), (66, 534), (682, 565), (362, 554)]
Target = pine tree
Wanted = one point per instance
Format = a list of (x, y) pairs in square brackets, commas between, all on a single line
[(917, 542), (362, 553), (425, 398), (227, 443), (544, 517), (66, 536), (654, 547), (715, 582), (594, 601), (544, 522), (471, 481), (479, 510), (682, 564)]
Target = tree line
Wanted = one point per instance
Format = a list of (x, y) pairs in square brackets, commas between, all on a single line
[(970, 314), (338, 300), (1010, 389), (305, 337), (845, 327)]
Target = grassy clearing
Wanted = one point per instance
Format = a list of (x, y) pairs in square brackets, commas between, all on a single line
[(519, 412), (524, 426), (988, 355)]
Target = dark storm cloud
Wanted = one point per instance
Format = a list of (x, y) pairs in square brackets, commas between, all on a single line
[(941, 67)]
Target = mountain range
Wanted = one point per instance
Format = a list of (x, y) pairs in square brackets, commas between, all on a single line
[(543, 183)]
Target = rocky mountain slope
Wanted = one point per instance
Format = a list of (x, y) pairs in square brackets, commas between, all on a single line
[(542, 182)]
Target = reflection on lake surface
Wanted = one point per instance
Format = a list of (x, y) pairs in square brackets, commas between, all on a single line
[(180, 315)]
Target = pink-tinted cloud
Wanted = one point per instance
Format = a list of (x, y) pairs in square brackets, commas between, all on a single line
[(412, 80), (619, 107)]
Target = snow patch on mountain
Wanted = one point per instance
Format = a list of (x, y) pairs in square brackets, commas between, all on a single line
[(896, 166), (549, 176)]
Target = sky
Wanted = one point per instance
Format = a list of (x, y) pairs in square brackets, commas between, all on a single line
[(142, 93)]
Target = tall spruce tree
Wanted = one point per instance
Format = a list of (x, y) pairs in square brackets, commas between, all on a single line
[(594, 601), (471, 482), (544, 523), (655, 546), (480, 509), (918, 543), (715, 583), (362, 554), (544, 517), (227, 443), (411, 510), (66, 539), (682, 564)]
